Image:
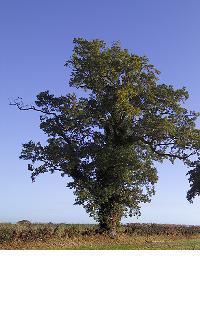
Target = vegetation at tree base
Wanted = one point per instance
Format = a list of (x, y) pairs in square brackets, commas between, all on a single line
[(66, 236), (43, 231), (109, 141)]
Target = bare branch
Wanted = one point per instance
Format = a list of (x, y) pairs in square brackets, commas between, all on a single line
[(20, 105)]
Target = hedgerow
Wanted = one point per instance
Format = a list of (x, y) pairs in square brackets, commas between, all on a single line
[(43, 231)]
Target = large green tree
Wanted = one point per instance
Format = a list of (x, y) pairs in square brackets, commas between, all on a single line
[(109, 140)]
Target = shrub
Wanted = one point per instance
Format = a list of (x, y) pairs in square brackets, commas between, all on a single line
[(7, 232), (24, 231), (27, 222)]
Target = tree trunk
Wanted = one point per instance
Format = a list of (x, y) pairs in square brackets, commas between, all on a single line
[(109, 223)]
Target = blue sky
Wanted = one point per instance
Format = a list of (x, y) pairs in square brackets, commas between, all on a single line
[(36, 40)]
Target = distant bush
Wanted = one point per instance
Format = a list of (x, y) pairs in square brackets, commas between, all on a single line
[(24, 222), (160, 229)]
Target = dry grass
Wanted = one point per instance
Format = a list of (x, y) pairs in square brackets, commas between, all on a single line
[(101, 242)]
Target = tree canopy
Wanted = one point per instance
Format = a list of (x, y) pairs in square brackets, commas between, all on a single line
[(109, 141)]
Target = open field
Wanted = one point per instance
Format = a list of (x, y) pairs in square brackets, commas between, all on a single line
[(68, 236), (106, 244)]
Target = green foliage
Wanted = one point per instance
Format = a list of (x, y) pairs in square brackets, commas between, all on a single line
[(108, 142), (194, 180)]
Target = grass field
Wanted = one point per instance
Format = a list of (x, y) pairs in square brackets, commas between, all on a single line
[(138, 244), (128, 243), (25, 235)]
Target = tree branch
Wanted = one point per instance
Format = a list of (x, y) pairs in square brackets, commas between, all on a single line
[(163, 154), (20, 105)]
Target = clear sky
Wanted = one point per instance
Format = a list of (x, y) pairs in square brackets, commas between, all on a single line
[(36, 40)]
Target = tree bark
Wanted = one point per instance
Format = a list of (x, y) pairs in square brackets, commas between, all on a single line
[(109, 223)]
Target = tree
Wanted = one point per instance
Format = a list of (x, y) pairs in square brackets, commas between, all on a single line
[(109, 141), (194, 180)]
